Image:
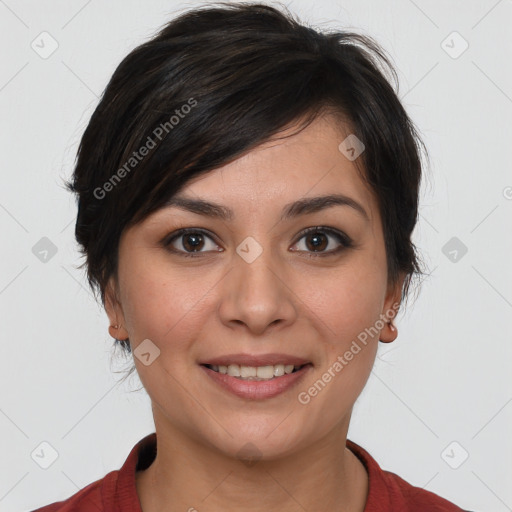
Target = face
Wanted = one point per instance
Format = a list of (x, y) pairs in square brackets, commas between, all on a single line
[(268, 281)]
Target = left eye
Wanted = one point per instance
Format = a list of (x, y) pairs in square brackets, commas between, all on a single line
[(318, 240)]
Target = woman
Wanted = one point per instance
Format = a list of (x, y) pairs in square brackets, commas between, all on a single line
[(247, 189)]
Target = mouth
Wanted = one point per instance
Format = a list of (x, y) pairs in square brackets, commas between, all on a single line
[(256, 373), (256, 377)]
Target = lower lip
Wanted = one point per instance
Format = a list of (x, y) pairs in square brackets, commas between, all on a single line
[(257, 389)]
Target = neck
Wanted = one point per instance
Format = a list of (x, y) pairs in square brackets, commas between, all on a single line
[(188, 476)]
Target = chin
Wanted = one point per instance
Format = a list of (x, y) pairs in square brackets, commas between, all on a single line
[(263, 438)]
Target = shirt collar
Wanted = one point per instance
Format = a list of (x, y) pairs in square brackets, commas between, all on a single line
[(144, 452)]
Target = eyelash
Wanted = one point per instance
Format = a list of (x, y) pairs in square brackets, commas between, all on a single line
[(345, 241)]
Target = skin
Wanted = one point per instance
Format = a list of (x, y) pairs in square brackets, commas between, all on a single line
[(288, 300)]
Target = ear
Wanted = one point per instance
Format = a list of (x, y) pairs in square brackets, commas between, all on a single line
[(115, 311), (390, 309)]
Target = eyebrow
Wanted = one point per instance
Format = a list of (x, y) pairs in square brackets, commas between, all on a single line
[(304, 206)]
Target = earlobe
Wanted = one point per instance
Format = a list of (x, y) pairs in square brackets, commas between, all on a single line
[(118, 332), (114, 312), (389, 332)]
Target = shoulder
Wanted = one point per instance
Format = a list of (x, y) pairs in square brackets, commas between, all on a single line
[(116, 490), (388, 492), (414, 498)]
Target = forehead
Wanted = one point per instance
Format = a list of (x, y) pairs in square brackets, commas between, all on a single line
[(288, 167)]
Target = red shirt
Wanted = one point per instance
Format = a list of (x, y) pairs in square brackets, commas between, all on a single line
[(116, 492)]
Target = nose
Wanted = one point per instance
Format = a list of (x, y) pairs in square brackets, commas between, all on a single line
[(256, 296)]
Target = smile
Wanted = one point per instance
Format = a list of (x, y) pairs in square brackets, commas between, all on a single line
[(256, 377), (255, 373)]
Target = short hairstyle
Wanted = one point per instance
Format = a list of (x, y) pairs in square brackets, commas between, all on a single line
[(216, 82)]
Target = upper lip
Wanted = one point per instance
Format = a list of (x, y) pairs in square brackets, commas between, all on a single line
[(255, 360)]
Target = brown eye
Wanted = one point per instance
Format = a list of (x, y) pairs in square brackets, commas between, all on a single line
[(318, 239), (189, 241), (192, 241)]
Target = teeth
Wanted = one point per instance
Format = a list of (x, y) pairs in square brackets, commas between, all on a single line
[(279, 370), (248, 371), (265, 372), (255, 373), (232, 369)]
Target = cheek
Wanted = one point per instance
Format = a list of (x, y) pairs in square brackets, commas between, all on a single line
[(346, 301), (345, 306), (346, 310), (163, 306)]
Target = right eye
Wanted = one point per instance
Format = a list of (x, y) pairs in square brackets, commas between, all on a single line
[(191, 240)]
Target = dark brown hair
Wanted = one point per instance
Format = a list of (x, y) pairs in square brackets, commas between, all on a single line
[(216, 82)]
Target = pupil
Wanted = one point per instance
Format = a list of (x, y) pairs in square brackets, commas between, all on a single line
[(318, 241), (193, 241)]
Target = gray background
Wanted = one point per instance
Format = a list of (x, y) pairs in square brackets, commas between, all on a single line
[(446, 379)]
